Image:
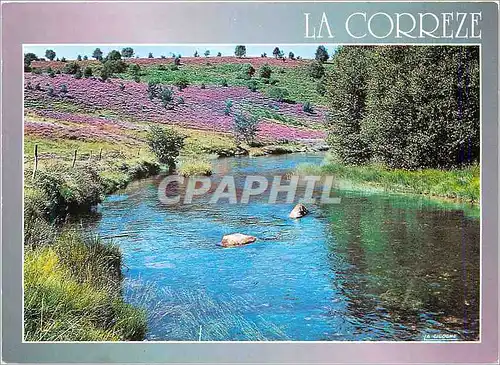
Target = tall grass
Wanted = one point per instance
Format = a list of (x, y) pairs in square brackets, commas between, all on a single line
[(72, 292), (200, 166), (461, 184)]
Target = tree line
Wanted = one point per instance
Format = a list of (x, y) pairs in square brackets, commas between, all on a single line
[(407, 107)]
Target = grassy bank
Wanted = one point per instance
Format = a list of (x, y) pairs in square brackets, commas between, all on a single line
[(72, 292), (460, 184)]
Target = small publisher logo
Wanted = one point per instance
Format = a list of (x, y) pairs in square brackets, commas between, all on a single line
[(440, 337)]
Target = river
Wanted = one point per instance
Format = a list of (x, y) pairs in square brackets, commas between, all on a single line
[(374, 266)]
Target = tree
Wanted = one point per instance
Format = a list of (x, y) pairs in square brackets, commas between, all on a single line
[(166, 144), (50, 54), (181, 83), (279, 94), (97, 54), (127, 52), (78, 58), (291, 55), (150, 55), (85, 58), (207, 53), (177, 61), (28, 58), (245, 127), (321, 54), (276, 52), (114, 55), (105, 74), (63, 59), (219, 54), (240, 51), (196, 54), (265, 71)]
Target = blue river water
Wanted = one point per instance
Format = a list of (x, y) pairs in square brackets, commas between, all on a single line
[(375, 266)]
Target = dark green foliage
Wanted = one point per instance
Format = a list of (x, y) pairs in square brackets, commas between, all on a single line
[(240, 51), (224, 83), (87, 72), (127, 52), (177, 61), (114, 55), (78, 74), (321, 87), (219, 54), (63, 59), (162, 68), (150, 55), (137, 78), (265, 71), (291, 55), (135, 69), (321, 54), (248, 69), (37, 71), (166, 96), (28, 58), (50, 91), (245, 127), (85, 58), (115, 66), (307, 107), (207, 53), (166, 144), (227, 107), (180, 100), (97, 54), (71, 68), (64, 88), (105, 74), (276, 52), (408, 107), (279, 94), (203, 86), (196, 54), (51, 72), (50, 54), (78, 58), (252, 85), (181, 83), (316, 70)]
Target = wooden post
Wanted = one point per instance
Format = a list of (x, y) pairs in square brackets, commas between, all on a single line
[(90, 157), (100, 154), (74, 159), (36, 161)]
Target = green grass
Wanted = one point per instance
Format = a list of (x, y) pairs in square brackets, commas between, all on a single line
[(72, 292), (199, 166), (461, 184), (296, 80)]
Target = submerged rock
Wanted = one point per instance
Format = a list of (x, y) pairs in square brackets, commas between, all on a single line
[(298, 211), (237, 239)]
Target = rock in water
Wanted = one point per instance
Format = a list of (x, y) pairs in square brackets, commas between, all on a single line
[(236, 239), (299, 211)]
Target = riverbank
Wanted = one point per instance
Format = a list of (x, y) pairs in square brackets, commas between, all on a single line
[(455, 184)]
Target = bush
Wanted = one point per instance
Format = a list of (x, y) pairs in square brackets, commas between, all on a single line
[(245, 127), (78, 74), (227, 107), (181, 83), (166, 144), (224, 83), (87, 72), (202, 86), (71, 68), (51, 72), (307, 107), (195, 167), (66, 190), (279, 94), (240, 51), (316, 70), (265, 71), (252, 85)]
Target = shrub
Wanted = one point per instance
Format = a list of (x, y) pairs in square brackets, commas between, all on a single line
[(115, 66), (219, 54), (114, 55), (122, 86), (137, 78), (174, 67), (321, 87), (177, 61), (50, 91), (166, 144), (150, 55), (127, 52), (248, 69), (135, 69), (227, 107), (265, 71), (180, 100), (37, 71), (181, 83), (252, 85), (307, 107), (79, 58), (162, 68), (316, 70), (51, 72), (166, 96), (78, 74), (224, 83), (97, 54), (71, 68), (64, 88), (202, 86), (87, 72), (279, 94), (28, 58), (245, 128)]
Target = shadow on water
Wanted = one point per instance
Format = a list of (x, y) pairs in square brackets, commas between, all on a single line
[(374, 267)]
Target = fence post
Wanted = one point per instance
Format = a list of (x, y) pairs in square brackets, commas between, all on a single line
[(74, 159), (100, 154), (36, 161)]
